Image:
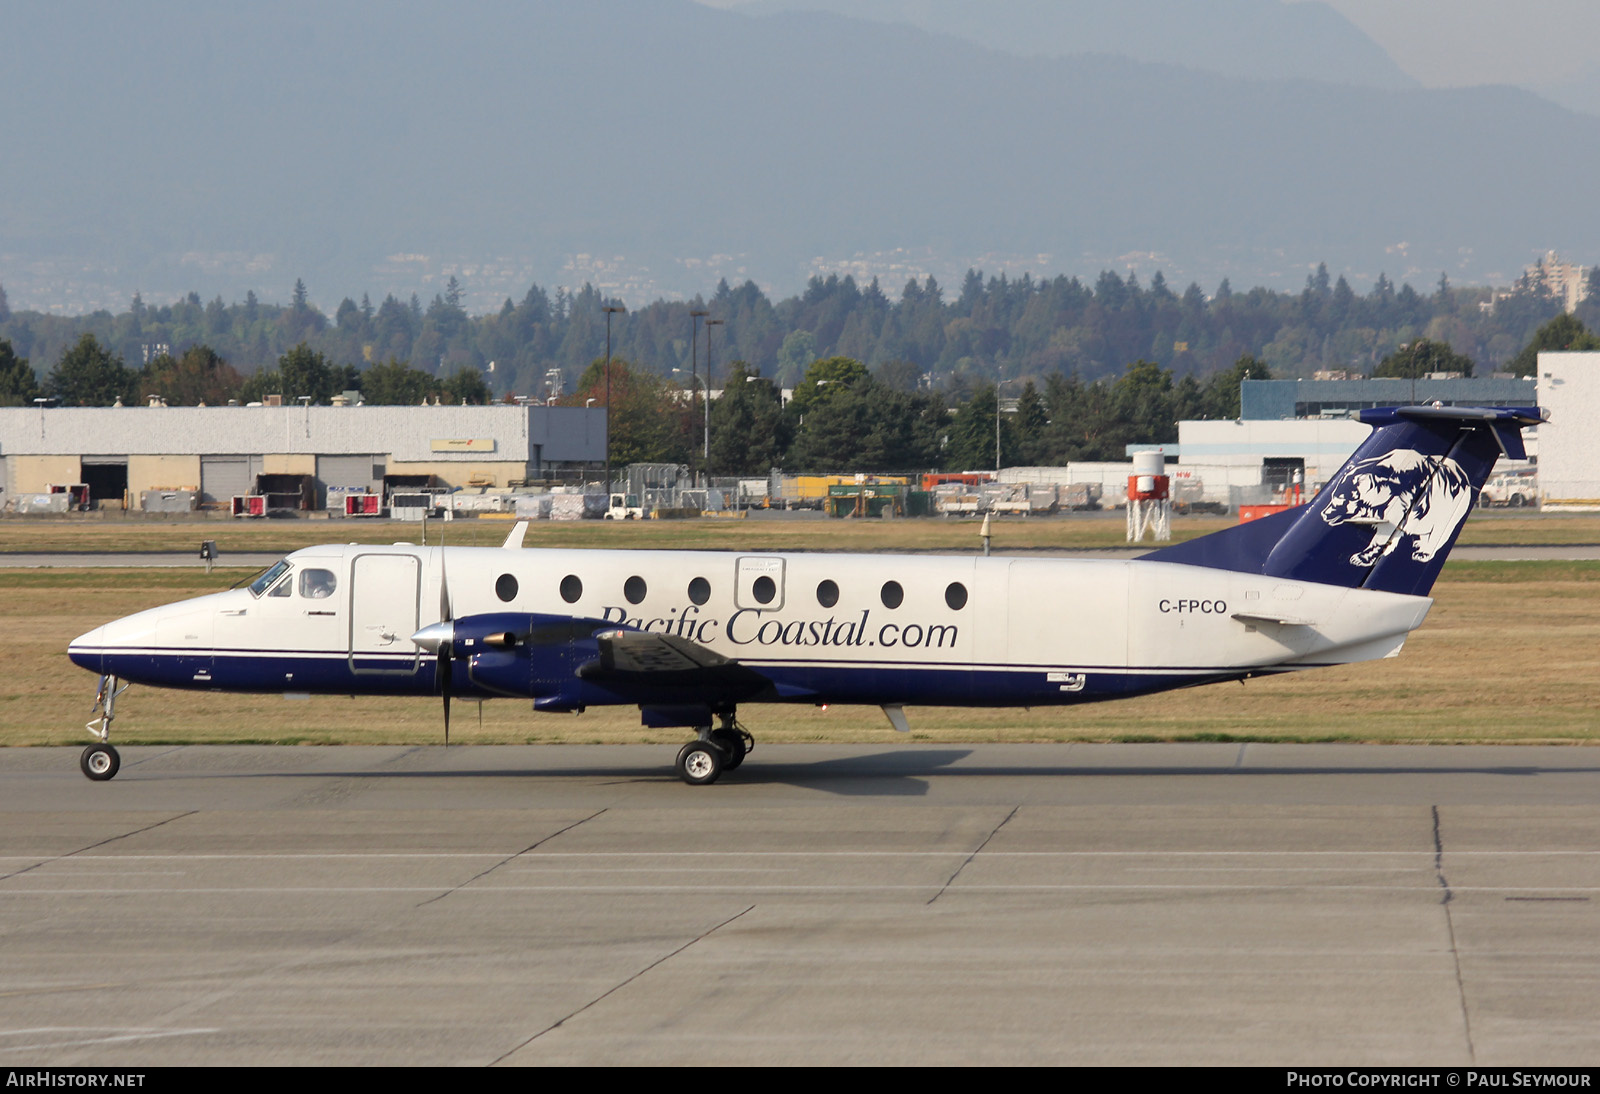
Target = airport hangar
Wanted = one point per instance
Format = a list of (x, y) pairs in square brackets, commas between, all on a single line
[(1285, 425), (1569, 459), (1288, 424), (1311, 427), (125, 452)]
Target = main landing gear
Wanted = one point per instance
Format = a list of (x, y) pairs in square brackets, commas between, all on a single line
[(702, 761), (100, 761)]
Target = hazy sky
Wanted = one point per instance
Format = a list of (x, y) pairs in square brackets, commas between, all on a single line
[(1447, 43), (1450, 43)]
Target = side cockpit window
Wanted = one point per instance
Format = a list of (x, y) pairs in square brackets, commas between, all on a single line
[(317, 584), (261, 584)]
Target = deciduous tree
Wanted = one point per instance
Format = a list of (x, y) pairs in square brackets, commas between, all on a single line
[(1415, 360), (198, 376), (1564, 332)]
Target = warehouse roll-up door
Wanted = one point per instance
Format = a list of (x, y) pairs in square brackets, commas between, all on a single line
[(222, 477), (338, 476)]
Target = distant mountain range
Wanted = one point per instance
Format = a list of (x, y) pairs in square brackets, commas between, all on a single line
[(1251, 39), (653, 146)]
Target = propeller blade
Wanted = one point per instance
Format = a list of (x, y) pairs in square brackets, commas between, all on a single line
[(444, 674), (444, 589)]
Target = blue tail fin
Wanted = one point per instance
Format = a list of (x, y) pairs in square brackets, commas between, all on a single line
[(1389, 517)]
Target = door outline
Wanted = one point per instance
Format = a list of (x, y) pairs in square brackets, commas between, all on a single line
[(380, 624)]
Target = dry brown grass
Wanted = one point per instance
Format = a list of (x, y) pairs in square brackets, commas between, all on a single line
[(1079, 530), (1510, 653)]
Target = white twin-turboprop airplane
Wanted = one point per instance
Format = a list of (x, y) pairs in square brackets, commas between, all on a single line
[(688, 636)]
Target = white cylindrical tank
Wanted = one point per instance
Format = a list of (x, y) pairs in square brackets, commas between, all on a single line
[(1149, 463)]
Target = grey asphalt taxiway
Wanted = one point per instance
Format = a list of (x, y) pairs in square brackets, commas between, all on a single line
[(896, 904)]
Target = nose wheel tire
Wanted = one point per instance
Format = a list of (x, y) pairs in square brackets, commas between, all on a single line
[(699, 763), (100, 762)]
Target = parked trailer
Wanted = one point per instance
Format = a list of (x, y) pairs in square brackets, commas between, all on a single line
[(363, 505), (811, 491)]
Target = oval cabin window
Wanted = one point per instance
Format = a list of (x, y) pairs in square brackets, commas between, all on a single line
[(827, 594), (764, 590), (634, 589), (892, 594)]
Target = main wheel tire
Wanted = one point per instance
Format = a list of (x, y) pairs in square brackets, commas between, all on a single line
[(100, 762), (700, 763), (734, 747)]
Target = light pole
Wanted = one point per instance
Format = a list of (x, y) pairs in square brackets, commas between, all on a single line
[(707, 454), (997, 407), (610, 310), (695, 315)]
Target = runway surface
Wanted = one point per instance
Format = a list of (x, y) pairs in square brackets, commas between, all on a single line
[(903, 904)]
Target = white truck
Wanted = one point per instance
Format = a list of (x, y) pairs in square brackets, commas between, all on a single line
[(1512, 489)]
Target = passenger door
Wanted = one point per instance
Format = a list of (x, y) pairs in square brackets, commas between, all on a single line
[(385, 592)]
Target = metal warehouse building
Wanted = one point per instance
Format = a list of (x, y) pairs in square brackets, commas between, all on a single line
[(1280, 400), (1569, 459), (219, 451)]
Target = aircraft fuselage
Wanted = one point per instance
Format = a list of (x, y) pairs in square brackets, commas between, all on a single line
[(836, 628)]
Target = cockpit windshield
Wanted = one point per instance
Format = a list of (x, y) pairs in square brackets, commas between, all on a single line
[(264, 582)]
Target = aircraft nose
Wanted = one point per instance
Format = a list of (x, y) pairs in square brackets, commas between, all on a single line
[(87, 651)]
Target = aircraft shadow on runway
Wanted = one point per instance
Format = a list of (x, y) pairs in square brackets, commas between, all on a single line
[(891, 772)]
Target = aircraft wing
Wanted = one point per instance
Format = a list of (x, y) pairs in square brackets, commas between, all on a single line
[(639, 657)]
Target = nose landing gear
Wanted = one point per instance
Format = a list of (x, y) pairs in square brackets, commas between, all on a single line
[(100, 761)]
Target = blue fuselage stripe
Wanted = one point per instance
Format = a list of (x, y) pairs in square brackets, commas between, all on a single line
[(334, 672)]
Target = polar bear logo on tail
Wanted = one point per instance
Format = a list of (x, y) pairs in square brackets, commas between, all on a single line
[(1424, 497)]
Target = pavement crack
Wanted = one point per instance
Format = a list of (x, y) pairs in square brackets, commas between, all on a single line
[(1450, 929), (975, 853), (99, 843), (486, 871), (558, 1023)]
